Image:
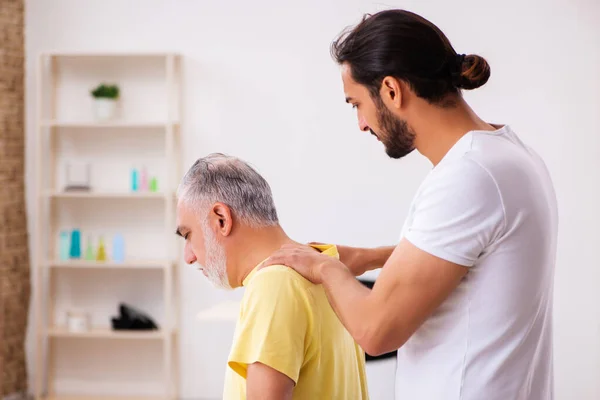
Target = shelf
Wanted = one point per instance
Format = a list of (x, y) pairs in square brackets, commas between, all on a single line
[(101, 397), (109, 54), (105, 195), (129, 264), (105, 333), (107, 124)]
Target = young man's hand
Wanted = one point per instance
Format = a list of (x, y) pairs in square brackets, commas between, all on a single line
[(305, 260), (360, 260)]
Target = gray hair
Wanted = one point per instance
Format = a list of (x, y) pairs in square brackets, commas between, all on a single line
[(222, 178)]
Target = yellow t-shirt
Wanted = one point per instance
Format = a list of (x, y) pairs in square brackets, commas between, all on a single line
[(286, 322)]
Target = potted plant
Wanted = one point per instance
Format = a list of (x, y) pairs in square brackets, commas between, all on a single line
[(105, 101)]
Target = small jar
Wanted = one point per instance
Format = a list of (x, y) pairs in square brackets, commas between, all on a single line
[(77, 321)]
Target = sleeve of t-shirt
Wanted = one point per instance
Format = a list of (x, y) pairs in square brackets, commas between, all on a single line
[(458, 213), (273, 324)]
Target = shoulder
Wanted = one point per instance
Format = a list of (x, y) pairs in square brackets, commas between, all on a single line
[(278, 281), (458, 213), (501, 154), (276, 292), (462, 177), (462, 191), (279, 273)]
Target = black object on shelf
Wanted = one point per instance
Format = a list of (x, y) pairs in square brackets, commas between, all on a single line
[(131, 319), (391, 354)]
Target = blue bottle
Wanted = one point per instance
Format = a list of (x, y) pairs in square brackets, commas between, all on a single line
[(118, 248), (134, 180), (75, 251)]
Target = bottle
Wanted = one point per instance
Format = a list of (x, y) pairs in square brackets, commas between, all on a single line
[(118, 248), (64, 246), (75, 250), (101, 255), (89, 250), (144, 180), (134, 180), (153, 185)]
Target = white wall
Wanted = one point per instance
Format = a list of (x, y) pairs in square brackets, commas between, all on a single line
[(260, 84)]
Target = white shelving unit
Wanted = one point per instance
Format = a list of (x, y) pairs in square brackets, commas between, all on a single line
[(63, 80)]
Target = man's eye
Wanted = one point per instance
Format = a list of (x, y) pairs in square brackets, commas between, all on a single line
[(354, 105), (186, 236)]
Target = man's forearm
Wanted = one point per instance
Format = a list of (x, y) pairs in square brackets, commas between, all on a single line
[(351, 302), (360, 260)]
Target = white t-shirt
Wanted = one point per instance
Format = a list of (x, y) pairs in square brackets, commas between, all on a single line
[(489, 205)]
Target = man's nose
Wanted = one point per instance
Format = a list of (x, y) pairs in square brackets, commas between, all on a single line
[(188, 254), (362, 124)]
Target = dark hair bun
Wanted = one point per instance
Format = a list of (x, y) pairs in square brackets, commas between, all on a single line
[(475, 72)]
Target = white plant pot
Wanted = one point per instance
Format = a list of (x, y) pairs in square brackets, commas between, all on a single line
[(105, 109)]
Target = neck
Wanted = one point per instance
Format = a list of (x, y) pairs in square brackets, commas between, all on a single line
[(252, 246), (438, 129)]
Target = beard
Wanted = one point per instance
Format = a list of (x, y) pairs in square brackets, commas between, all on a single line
[(397, 137), (216, 261)]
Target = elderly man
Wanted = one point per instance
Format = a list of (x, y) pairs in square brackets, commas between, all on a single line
[(288, 342)]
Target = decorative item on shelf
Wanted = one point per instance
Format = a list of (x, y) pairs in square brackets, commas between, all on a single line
[(153, 184), (118, 248), (89, 250), (144, 180), (77, 177), (101, 254), (131, 319), (134, 180), (75, 249), (77, 321), (64, 250), (105, 101)]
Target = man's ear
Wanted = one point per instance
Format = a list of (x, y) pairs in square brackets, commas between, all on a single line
[(221, 219), (391, 92)]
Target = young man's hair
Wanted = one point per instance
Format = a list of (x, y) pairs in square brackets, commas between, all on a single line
[(408, 47)]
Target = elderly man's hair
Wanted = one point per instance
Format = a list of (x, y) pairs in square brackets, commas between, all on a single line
[(232, 181)]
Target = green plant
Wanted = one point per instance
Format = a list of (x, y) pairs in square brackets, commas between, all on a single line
[(106, 91)]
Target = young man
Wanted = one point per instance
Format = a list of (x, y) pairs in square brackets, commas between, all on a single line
[(288, 343), (466, 296)]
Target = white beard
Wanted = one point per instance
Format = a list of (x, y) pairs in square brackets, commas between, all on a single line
[(216, 261)]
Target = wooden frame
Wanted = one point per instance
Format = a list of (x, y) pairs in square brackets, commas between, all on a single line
[(46, 195)]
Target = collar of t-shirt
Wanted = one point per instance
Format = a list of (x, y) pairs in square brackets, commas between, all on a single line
[(327, 249)]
